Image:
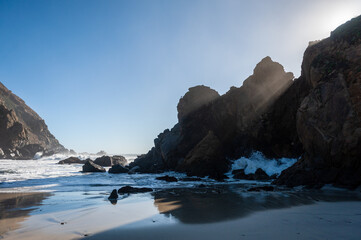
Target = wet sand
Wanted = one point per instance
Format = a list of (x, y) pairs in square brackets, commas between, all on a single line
[(205, 213), (341, 220)]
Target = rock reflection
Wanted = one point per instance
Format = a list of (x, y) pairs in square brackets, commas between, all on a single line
[(16, 207), (199, 205)]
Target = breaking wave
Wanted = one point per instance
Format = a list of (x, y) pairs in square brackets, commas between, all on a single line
[(258, 160)]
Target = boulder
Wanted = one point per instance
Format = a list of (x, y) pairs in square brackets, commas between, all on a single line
[(240, 174), (90, 166), (167, 178), (113, 195), (119, 160), (259, 175), (104, 161), (71, 160), (129, 189), (118, 169)]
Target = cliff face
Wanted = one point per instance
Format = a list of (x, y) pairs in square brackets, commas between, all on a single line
[(329, 118), (22, 132), (317, 117), (222, 127)]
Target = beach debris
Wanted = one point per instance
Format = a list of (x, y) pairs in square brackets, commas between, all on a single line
[(167, 178), (129, 189)]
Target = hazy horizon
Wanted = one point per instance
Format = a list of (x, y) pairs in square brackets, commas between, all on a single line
[(107, 75)]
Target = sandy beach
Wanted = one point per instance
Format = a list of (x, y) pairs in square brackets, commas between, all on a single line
[(222, 212)]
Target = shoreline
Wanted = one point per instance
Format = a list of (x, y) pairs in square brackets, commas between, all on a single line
[(317, 221), (182, 213)]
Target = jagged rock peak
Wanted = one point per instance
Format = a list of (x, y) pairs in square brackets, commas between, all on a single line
[(195, 98), (268, 72)]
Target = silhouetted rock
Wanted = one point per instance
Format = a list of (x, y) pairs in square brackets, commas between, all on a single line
[(328, 119), (167, 178), (90, 166), (258, 175), (261, 175), (316, 116), (118, 169), (71, 160), (206, 159), (240, 174), (23, 133), (129, 189), (224, 126), (113, 195), (195, 98)]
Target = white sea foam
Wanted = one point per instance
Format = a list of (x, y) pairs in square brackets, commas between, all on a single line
[(258, 160)]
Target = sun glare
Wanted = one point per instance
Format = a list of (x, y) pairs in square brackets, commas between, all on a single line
[(339, 16)]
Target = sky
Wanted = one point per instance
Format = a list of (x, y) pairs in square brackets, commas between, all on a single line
[(107, 75)]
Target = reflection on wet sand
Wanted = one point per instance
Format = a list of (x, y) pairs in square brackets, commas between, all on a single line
[(194, 206), (16, 207)]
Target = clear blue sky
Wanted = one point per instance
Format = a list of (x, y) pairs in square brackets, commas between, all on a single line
[(109, 74)]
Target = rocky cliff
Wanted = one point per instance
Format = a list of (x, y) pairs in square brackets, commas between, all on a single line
[(328, 120), (217, 128), (22, 132), (316, 117)]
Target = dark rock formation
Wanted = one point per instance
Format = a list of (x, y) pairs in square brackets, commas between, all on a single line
[(106, 161), (113, 195), (317, 116), (119, 160), (23, 133), (71, 160), (259, 175), (195, 98), (206, 159), (129, 189), (167, 178), (227, 126), (329, 117), (118, 169), (90, 166)]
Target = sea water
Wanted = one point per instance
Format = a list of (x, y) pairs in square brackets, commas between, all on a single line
[(45, 174)]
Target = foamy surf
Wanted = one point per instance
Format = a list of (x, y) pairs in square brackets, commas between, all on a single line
[(258, 160)]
